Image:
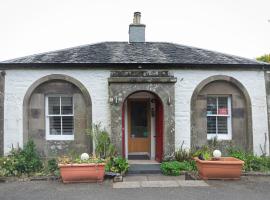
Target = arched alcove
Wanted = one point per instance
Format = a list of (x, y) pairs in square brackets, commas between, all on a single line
[(34, 115), (241, 120)]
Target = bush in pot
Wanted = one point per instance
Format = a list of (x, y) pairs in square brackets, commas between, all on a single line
[(117, 165), (88, 169)]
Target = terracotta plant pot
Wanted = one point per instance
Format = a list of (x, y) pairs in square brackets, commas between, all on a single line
[(224, 168), (87, 172)]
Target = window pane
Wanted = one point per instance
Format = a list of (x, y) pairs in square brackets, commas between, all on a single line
[(67, 125), (55, 125), (54, 105), (211, 125), (139, 127), (67, 105), (222, 105), (222, 125), (211, 105)]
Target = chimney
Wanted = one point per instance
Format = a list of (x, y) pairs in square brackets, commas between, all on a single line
[(136, 29)]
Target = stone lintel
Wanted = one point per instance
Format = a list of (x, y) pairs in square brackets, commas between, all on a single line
[(142, 80)]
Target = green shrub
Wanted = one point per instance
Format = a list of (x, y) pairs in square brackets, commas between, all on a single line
[(186, 166), (183, 154), (21, 161), (103, 146), (171, 168), (117, 165), (52, 166), (252, 162), (205, 151)]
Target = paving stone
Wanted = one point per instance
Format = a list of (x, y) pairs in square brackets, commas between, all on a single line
[(159, 184), (135, 178), (191, 183), (134, 184)]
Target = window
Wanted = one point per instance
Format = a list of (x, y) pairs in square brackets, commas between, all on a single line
[(219, 117), (59, 117)]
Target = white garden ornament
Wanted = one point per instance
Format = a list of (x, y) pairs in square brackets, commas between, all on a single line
[(84, 156), (217, 154)]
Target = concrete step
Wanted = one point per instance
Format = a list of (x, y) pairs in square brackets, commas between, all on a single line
[(144, 169)]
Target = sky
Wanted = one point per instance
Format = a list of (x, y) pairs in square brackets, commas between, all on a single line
[(238, 27)]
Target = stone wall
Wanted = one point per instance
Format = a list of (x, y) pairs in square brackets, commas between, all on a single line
[(267, 84), (122, 84), (18, 81), (2, 96), (241, 137), (36, 120)]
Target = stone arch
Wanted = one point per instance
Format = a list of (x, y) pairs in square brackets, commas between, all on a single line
[(121, 88), (60, 79), (195, 138)]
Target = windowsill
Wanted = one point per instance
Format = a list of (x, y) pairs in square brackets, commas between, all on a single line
[(219, 136), (60, 137)]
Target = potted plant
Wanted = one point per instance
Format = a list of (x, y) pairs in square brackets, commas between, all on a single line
[(117, 165), (86, 168), (218, 167)]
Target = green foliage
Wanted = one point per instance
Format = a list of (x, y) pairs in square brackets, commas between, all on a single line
[(183, 154), (52, 166), (171, 168), (186, 166), (117, 165), (21, 161), (78, 160), (264, 58), (252, 162), (205, 151), (102, 142)]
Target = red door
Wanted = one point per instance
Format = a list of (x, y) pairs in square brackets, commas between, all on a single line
[(159, 130)]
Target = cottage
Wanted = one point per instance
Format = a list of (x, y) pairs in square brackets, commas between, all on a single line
[(151, 97)]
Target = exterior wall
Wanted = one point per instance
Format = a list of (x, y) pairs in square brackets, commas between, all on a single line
[(241, 135), (2, 96), (123, 85), (96, 81), (18, 82), (36, 120), (253, 81), (267, 84)]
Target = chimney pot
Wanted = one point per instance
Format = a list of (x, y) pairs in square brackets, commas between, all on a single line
[(137, 18)]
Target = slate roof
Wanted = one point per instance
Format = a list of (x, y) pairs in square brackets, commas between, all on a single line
[(135, 53)]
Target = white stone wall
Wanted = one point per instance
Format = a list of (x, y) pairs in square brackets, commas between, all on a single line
[(18, 81), (253, 81)]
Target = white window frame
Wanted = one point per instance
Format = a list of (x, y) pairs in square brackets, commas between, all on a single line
[(47, 115), (227, 136)]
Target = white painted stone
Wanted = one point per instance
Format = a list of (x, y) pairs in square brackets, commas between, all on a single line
[(96, 81), (252, 80), (18, 82)]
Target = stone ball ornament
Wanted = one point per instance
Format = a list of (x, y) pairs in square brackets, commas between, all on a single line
[(84, 156), (217, 154)]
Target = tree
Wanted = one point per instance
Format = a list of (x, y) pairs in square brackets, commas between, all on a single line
[(264, 58)]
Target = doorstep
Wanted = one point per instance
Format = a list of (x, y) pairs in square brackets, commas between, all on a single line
[(143, 167)]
